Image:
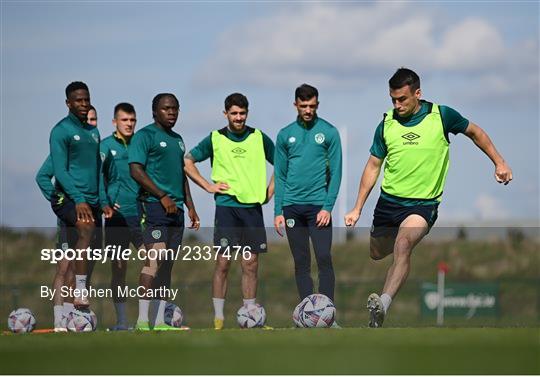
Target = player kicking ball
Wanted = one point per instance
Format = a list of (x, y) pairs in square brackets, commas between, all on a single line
[(413, 137)]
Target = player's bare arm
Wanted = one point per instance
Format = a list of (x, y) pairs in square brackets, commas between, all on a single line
[(368, 180), (194, 174), (139, 175), (192, 213), (270, 190), (503, 173)]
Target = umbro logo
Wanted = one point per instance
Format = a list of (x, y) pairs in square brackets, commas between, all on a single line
[(410, 136), (238, 150)]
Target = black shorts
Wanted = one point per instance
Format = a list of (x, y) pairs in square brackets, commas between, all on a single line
[(66, 237), (120, 230), (388, 217), (237, 226), (158, 226), (64, 208), (65, 211)]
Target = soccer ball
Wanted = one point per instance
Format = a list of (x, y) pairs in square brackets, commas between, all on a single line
[(251, 315), (21, 320), (81, 321), (297, 319), (173, 315), (317, 311)]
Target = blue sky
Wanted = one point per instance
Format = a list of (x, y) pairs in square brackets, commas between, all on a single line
[(479, 58)]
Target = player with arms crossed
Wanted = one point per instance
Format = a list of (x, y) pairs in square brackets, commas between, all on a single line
[(413, 138), (238, 155), (156, 162)]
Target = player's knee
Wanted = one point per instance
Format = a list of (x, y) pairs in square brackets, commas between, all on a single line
[(150, 270), (250, 265), (324, 262), (85, 230), (222, 267), (403, 246), (375, 253), (303, 267)]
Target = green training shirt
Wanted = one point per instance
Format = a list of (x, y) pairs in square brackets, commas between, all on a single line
[(74, 150), (161, 153), (44, 178), (453, 123), (307, 165), (116, 184), (204, 150)]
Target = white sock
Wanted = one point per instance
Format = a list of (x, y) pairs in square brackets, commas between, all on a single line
[(386, 301), (249, 301), (219, 303), (68, 308), (160, 316), (80, 282), (144, 305), (121, 313), (58, 312)]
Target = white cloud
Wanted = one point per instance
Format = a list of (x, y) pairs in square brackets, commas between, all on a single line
[(337, 45), (490, 208)]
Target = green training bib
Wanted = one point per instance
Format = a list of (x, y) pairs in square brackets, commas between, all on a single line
[(418, 157)]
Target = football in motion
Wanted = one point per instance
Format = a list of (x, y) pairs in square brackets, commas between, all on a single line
[(316, 310), (81, 321), (21, 320), (252, 315), (173, 315)]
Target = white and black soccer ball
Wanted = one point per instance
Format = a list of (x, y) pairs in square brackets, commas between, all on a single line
[(173, 315), (251, 315), (296, 317), (21, 320), (81, 321), (317, 310)]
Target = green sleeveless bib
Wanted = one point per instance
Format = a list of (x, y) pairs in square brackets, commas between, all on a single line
[(418, 157), (241, 164)]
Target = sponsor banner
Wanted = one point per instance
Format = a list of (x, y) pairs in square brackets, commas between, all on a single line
[(461, 299)]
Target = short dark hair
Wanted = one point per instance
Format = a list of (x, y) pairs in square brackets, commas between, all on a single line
[(305, 92), (157, 98), (236, 99), (92, 108), (404, 77), (75, 85), (125, 107)]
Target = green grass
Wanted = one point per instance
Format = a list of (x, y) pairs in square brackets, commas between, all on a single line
[(282, 351)]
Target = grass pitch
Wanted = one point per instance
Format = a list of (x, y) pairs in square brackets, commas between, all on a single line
[(281, 351)]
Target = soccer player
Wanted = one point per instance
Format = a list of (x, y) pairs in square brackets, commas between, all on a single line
[(64, 272), (308, 175), (413, 137), (74, 151), (118, 196), (238, 154), (156, 162)]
